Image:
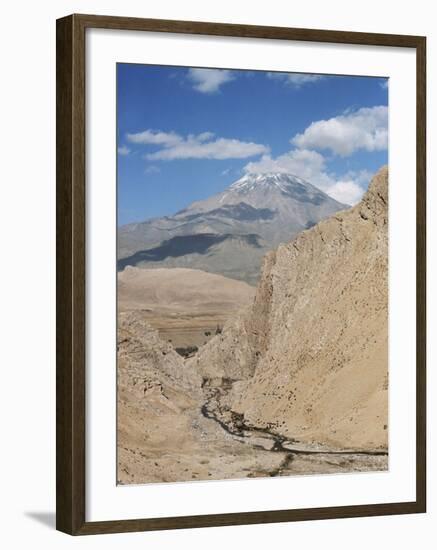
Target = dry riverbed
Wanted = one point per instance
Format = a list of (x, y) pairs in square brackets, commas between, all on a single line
[(204, 440)]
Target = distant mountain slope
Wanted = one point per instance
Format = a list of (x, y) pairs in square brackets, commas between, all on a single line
[(187, 290), (230, 232)]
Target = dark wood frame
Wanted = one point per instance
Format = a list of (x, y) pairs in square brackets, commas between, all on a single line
[(70, 297)]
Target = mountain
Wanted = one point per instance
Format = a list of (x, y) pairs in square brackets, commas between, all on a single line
[(309, 358), (230, 232)]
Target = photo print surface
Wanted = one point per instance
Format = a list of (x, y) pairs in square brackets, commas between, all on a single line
[(252, 274)]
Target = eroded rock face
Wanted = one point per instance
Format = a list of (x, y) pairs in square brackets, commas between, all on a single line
[(156, 395), (311, 353), (144, 360), (162, 433)]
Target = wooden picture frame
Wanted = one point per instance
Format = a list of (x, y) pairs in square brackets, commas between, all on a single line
[(71, 247)]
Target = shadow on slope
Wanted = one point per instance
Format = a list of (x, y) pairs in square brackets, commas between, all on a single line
[(185, 244)]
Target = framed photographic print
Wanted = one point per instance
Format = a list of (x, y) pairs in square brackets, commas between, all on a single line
[(240, 274)]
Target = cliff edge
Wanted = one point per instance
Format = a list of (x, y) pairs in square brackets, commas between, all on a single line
[(310, 355)]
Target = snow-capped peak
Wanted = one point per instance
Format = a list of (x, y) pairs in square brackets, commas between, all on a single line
[(279, 179)]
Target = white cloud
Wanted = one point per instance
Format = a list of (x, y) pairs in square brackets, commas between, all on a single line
[(218, 149), (351, 186), (123, 150), (208, 81), (347, 192), (308, 165), (201, 146), (383, 82), (296, 80), (365, 129), (151, 137), (362, 177), (205, 136), (311, 166), (362, 129)]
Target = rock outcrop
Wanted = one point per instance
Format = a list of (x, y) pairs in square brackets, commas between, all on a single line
[(162, 433), (311, 353), (156, 393)]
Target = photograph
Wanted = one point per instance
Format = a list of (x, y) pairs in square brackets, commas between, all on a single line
[(215, 287), (252, 273)]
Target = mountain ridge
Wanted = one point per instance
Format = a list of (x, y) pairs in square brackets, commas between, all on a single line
[(240, 224)]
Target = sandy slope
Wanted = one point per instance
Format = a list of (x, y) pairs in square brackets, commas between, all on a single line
[(186, 306), (180, 290)]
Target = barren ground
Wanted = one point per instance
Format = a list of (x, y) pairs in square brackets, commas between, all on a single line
[(294, 382)]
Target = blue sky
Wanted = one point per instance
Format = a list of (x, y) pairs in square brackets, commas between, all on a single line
[(184, 134)]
